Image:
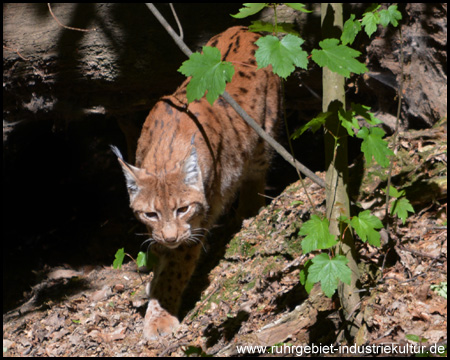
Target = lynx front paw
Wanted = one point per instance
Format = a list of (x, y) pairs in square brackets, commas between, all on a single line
[(158, 322)]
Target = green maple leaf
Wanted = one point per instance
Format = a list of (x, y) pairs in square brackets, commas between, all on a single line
[(329, 272), (391, 15), (401, 207), (141, 259), (283, 55), (317, 235), (364, 112), (298, 6), (374, 145), (395, 193), (365, 224), (120, 255), (249, 9), (351, 29), (303, 276), (209, 74), (370, 21), (348, 121), (313, 124), (259, 26), (338, 58)]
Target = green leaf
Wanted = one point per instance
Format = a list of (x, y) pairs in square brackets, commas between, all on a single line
[(391, 15), (374, 145), (365, 224), (317, 235), (344, 219), (401, 207), (364, 112), (348, 121), (416, 338), (395, 193), (259, 26), (440, 289), (208, 73), (329, 272), (351, 28), (338, 58), (303, 276), (249, 9), (283, 55), (370, 21), (298, 6), (120, 255), (141, 259), (313, 124)]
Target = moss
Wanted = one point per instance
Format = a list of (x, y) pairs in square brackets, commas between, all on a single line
[(294, 247), (234, 247), (250, 285), (271, 266)]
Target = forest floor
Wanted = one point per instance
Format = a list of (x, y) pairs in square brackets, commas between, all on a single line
[(253, 296)]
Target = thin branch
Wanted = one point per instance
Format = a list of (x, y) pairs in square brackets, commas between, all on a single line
[(178, 40), (228, 98), (290, 144), (394, 137), (177, 20), (272, 142), (64, 26)]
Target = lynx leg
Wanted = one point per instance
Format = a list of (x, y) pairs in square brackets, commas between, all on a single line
[(171, 276)]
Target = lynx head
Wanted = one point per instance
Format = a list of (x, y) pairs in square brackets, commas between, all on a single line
[(170, 203)]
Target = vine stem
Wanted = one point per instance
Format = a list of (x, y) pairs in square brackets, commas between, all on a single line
[(292, 152), (291, 149), (137, 266), (394, 137), (229, 99)]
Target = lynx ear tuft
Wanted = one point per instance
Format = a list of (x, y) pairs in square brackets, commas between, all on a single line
[(116, 151), (131, 172), (192, 171)]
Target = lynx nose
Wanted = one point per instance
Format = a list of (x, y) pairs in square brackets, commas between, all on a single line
[(170, 234), (170, 239)]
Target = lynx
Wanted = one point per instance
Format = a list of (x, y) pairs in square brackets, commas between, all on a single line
[(191, 160)]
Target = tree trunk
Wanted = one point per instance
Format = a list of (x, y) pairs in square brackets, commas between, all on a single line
[(337, 164)]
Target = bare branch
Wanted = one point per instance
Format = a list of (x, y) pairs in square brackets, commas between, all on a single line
[(178, 40), (177, 20)]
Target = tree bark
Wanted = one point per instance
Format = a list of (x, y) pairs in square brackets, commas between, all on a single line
[(336, 161)]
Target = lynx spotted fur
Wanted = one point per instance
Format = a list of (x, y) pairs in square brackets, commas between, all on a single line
[(190, 162)]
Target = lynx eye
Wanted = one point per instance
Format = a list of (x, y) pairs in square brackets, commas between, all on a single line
[(182, 210), (151, 215)]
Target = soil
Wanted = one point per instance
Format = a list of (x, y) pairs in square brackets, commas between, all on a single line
[(253, 296)]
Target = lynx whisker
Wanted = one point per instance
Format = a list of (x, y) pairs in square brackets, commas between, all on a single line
[(202, 230), (196, 238), (150, 242)]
